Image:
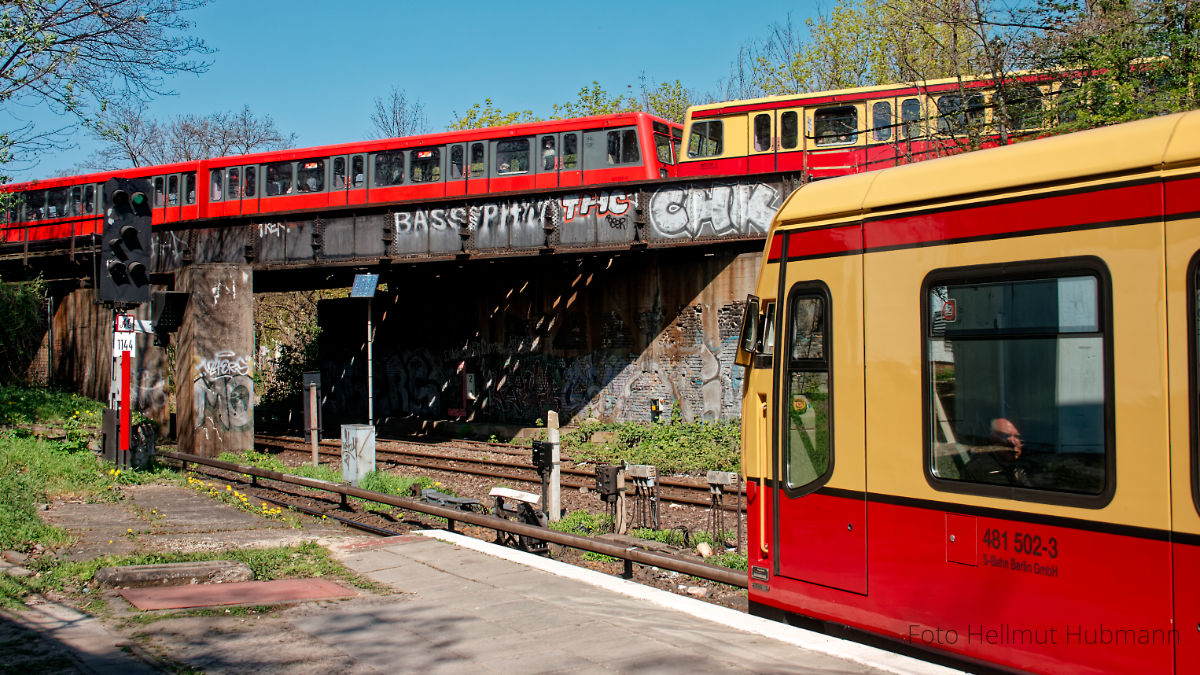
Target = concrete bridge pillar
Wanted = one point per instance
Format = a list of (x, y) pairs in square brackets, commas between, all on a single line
[(214, 361)]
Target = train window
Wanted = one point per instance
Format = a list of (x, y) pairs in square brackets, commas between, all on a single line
[(189, 187), (789, 130), (910, 117), (622, 148), (339, 173), (233, 184), (358, 169), (216, 177), (762, 132), (478, 166), (159, 191), (809, 444), (89, 199), (389, 168), (662, 146), (278, 179), (549, 154), (426, 166), (35, 205), (57, 203), (570, 150), (456, 162), (310, 175), (835, 126), (956, 117), (173, 190), (76, 201), (881, 121), (1016, 381), (251, 175), (512, 156), (705, 139), (1024, 107)]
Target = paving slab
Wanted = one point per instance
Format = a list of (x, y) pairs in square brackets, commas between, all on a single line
[(280, 591)]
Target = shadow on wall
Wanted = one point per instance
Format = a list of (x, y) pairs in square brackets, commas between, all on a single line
[(504, 341)]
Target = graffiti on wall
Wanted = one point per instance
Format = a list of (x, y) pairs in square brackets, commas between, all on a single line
[(718, 210), (222, 389)]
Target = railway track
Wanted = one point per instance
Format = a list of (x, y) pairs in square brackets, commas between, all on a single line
[(671, 490)]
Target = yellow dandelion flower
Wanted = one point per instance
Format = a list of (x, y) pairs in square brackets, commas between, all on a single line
[(129, 531), (228, 488)]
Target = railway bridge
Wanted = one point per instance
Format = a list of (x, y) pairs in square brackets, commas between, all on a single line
[(594, 302)]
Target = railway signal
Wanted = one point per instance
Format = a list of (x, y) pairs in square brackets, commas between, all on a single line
[(124, 263)]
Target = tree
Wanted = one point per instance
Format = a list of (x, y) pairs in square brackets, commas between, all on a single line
[(1128, 59), (486, 114), (131, 138), (78, 56), (668, 100), (594, 100), (396, 115)]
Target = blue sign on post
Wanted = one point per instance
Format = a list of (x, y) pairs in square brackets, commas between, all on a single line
[(364, 285)]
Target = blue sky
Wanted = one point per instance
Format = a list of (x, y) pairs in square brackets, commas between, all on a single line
[(316, 67)]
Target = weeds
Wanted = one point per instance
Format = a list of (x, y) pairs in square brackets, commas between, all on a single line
[(674, 447)]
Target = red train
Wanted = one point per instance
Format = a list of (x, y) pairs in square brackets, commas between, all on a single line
[(537, 156), (816, 135)]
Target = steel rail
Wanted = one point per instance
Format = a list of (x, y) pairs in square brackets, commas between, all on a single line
[(286, 443), (628, 554)]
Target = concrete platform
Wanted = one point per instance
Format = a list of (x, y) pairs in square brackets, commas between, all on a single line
[(471, 606)]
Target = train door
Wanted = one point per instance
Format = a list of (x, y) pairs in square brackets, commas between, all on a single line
[(762, 142), (570, 161), (172, 199), (250, 191), (339, 184), (477, 163), (546, 161), (820, 488), (789, 151), (456, 170), (1183, 344)]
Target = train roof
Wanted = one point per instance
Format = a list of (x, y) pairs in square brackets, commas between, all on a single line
[(858, 93), (372, 145), (1134, 147)]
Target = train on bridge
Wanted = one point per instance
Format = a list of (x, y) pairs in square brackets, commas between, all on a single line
[(811, 136)]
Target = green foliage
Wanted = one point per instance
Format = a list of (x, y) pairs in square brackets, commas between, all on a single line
[(595, 100), (486, 114), (1136, 58), (674, 447), (583, 523), (668, 100), (734, 561), (22, 327), (262, 460)]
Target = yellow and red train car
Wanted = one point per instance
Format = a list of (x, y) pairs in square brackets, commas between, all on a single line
[(971, 404), (835, 133)]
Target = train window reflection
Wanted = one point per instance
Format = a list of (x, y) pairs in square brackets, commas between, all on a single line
[(835, 126), (1016, 381), (279, 179), (310, 175), (173, 190), (808, 409), (339, 173), (910, 117), (881, 121), (789, 130), (234, 183), (512, 156), (251, 174), (426, 165), (358, 171), (389, 168), (705, 139), (189, 187), (159, 191), (570, 151), (762, 132)]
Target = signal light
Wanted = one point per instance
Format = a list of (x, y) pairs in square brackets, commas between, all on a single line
[(123, 270)]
